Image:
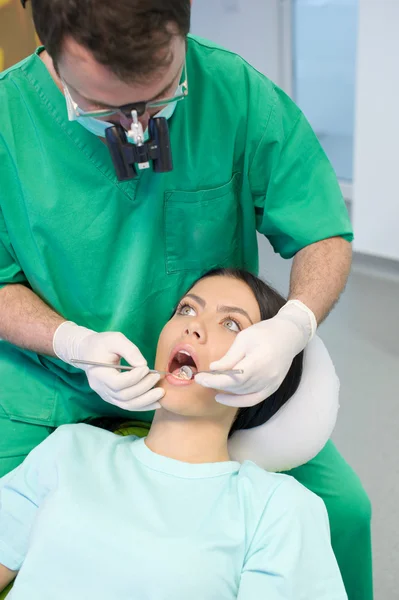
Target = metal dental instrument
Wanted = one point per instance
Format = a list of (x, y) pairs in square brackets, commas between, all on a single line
[(129, 368)]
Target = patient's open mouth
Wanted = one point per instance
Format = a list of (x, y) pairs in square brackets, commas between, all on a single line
[(183, 366)]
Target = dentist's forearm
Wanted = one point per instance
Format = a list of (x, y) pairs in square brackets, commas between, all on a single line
[(26, 321), (319, 274)]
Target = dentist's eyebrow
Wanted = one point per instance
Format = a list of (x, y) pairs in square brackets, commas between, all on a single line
[(159, 96), (89, 100), (235, 309)]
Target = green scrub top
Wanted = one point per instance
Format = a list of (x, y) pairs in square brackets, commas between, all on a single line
[(117, 256)]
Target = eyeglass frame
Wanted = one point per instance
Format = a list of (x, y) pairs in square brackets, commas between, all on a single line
[(126, 109)]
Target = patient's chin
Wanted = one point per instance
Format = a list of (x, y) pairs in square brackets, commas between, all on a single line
[(183, 409), (179, 401)]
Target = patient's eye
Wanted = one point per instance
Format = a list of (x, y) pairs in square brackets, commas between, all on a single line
[(232, 325), (186, 310)]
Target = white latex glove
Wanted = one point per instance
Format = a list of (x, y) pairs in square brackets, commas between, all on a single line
[(264, 352), (129, 390)]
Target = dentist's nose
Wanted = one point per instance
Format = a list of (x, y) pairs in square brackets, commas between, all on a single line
[(144, 120), (127, 121)]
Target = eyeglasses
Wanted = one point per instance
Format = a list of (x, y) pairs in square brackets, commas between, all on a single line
[(126, 110)]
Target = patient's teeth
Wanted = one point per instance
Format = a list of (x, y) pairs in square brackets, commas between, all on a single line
[(185, 372)]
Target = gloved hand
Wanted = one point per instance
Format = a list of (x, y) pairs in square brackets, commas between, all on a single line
[(264, 352), (130, 390)]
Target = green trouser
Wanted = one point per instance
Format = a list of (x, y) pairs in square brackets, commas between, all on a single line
[(349, 510), (327, 475)]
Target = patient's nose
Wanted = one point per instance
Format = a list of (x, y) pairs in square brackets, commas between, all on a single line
[(196, 330)]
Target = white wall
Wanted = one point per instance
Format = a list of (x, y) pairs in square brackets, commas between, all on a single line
[(248, 27), (325, 33), (376, 195)]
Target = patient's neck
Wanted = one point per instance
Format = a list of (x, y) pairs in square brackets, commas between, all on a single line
[(188, 439)]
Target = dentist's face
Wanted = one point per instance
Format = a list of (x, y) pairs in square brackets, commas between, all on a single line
[(93, 86), (205, 324)]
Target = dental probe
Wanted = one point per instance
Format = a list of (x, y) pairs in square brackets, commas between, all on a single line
[(129, 368)]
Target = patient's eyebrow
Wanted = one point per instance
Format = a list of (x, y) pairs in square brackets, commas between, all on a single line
[(198, 299), (236, 309), (221, 308)]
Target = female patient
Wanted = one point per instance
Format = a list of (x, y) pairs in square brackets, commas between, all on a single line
[(90, 514)]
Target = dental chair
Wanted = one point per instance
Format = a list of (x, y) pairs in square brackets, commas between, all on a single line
[(296, 433)]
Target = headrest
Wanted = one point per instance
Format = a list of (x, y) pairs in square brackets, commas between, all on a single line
[(302, 427)]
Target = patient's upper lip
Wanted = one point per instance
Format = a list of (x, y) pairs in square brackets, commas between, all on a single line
[(185, 348)]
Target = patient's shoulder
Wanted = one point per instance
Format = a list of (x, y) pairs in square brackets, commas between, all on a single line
[(78, 430), (265, 480), (276, 502), (265, 489), (83, 438)]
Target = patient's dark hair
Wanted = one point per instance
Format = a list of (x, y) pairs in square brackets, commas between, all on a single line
[(269, 302)]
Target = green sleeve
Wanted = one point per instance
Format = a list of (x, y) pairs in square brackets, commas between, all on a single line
[(297, 197), (10, 269)]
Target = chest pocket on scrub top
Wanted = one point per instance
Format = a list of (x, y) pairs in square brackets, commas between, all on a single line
[(201, 228)]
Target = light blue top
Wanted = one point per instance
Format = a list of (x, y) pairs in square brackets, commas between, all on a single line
[(91, 515)]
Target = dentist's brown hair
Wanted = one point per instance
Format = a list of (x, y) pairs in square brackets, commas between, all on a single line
[(130, 37)]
